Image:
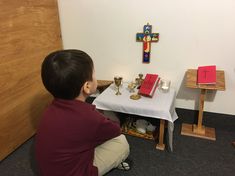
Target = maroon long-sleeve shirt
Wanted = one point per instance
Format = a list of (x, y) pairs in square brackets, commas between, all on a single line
[(67, 136)]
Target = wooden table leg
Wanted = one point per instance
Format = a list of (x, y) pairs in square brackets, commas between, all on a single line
[(161, 145)]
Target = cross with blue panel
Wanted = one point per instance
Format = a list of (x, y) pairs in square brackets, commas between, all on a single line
[(147, 37)]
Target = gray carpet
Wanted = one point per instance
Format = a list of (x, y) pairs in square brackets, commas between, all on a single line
[(191, 156)]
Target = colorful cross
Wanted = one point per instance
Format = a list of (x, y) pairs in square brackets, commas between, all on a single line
[(147, 37)]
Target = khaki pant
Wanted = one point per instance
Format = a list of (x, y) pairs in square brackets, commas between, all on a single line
[(110, 154)]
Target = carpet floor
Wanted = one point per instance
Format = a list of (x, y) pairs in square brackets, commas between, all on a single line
[(191, 156)]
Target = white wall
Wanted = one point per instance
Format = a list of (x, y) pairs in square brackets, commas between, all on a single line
[(192, 33)]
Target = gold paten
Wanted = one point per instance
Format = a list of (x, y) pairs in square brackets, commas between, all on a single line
[(135, 97)]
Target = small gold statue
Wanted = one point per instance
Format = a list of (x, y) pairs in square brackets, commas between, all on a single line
[(141, 78)]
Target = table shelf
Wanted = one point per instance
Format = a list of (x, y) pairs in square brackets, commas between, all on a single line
[(134, 132)]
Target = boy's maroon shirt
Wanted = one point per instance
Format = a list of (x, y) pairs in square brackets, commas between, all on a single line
[(67, 136)]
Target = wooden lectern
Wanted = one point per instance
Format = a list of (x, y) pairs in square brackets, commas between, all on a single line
[(191, 82)]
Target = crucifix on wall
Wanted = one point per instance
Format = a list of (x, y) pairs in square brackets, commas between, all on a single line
[(147, 37)]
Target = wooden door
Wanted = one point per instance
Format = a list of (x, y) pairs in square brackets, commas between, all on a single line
[(29, 30)]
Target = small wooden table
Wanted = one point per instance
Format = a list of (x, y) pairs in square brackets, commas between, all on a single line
[(191, 82), (103, 84), (160, 106)]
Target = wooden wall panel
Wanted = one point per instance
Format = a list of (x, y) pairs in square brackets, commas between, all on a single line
[(29, 30)]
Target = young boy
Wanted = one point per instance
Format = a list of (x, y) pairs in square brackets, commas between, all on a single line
[(73, 138)]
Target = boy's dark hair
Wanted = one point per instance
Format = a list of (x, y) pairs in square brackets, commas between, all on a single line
[(64, 72)]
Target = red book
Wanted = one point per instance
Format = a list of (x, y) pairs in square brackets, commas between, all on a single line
[(149, 85), (206, 74)]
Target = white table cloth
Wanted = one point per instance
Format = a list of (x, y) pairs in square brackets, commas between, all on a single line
[(160, 106)]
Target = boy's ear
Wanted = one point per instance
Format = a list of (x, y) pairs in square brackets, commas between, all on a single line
[(86, 88)]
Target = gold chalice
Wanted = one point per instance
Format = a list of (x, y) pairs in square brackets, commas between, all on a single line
[(118, 82)]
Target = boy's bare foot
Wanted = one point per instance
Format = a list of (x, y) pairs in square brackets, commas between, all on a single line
[(233, 143)]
